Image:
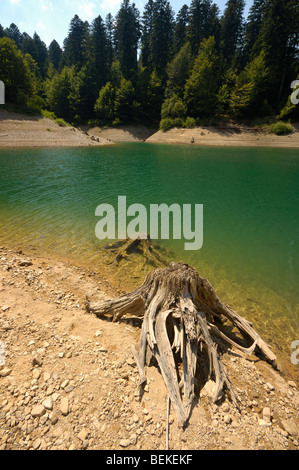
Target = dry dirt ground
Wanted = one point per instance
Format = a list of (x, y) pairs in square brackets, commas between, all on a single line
[(227, 136), (68, 379), (18, 130)]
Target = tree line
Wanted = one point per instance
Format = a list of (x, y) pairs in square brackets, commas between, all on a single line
[(160, 67)]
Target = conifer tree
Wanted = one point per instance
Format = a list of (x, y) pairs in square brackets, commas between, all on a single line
[(54, 54), (75, 43), (180, 28), (232, 28), (201, 88), (161, 37), (147, 29), (127, 34), (203, 22)]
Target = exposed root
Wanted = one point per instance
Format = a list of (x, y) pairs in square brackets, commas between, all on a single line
[(179, 308)]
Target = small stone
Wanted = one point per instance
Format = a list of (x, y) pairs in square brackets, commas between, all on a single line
[(48, 403), (227, 419), (69, 388), (270, 386), (36, 374), (125, 442), (267, 414), (36, 444), (5, 372), (46, 376), (65, 383), (83, 434), (38, 411), (53, 418), (290, 426), (37, 361), (25, 262), (291, 383), (64, 406)]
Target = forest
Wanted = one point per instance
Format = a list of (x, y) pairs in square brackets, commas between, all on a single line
[(198, 66)]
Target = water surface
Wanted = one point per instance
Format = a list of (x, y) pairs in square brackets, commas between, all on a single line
[(250, 198)]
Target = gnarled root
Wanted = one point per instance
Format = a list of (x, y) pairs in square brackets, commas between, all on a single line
[(179, 308)]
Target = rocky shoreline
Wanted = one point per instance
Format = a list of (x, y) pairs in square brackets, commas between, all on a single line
[(68, 379)]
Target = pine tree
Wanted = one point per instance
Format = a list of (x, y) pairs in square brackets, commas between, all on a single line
[(232, 28), (178, 71), (147, 28), (203, 22), (252, 45), (13, 33), (54, 54), (127, 34), (201, 88), (41, 54), (180, 29), (279, 37), (110, 38), (75, 43), (161, 37), (99, 53)]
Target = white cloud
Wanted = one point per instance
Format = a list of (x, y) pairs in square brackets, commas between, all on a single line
[(87, 10), (45, 6), (110, 6)]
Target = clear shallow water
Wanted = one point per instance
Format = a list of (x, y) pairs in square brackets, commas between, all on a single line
[(250, 200)]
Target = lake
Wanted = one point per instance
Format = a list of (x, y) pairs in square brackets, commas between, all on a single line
[(250, 199)]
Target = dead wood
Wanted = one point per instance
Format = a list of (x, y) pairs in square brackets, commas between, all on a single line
[(181, 311)]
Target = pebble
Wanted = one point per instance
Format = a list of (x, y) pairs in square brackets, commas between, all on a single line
[(87, 398), (48, 403), (5, 372), (125, 442), (64, 406), (38, 411)]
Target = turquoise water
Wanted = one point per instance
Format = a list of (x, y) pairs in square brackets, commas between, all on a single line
[(250, 200)]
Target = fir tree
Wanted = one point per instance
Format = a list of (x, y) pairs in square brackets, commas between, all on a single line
[(127, 34), (180, 29), (203, 22), (75, 43), (232, 29)]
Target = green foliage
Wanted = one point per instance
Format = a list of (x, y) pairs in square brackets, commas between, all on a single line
[(178, 71), (127, 34), (125, 103), (281, 128), (246, 95), (104, 106), (201, 88), (173, 108), (201, 65), (59, 93), (15, 72)]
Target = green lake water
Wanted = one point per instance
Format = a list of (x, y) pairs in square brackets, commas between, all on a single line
[(250, 200)]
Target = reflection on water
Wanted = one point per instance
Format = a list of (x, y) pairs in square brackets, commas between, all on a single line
[(250, 197)]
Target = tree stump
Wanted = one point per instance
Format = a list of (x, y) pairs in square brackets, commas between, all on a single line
[(180, 311)]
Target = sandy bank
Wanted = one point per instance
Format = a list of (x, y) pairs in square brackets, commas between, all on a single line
[(69, 380), (18, 130), (125, 133), (224, 137)]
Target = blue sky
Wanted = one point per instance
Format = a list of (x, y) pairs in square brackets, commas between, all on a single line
[(51, 18)]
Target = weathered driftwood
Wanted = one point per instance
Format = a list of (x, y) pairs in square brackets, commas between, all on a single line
[(180, 310)]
